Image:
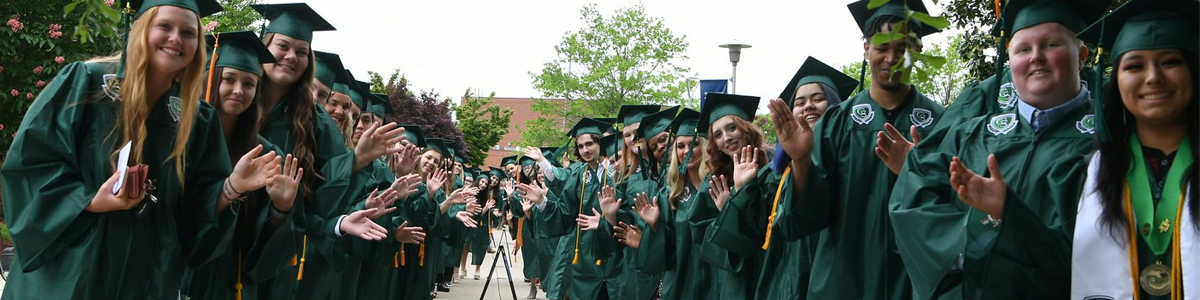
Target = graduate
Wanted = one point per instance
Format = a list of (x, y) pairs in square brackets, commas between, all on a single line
[(234, 70), (381, 260), (811, 92), (331, 182), (840, 191), (734, 142), (480, 240), (341, 106), (88, 229), (995, 92), (536, 250), (1139, 203), (329, 70), (1031, 158), (551, 177), (577, 214), (665, 244), (652, 138), (428, 208)]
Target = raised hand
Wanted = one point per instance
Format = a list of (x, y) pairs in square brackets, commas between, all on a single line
[(647, 209), (252, 171), (489, 205), (526, 205), (985, 194), (892, 148), (359, 225), (381, 201), (375, 143), (466, 219), (409, 235), (406, 185), (282, 187), (534, 153), (628, 234), (535, 193), (406, 159), (589, 222), (462, 195), (474, 208), (436, 180), (105, 201), (745, 168), (507, 186), (608, 201), (796, 135), (719, 191)]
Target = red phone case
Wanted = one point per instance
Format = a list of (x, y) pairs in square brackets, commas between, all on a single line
[(135, 179)]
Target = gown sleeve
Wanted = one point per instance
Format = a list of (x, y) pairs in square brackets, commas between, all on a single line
[(46, 186)]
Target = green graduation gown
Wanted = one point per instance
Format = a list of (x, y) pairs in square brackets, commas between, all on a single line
[(60, 157), (643, 284), (846, 195), (671, 250), (598, 266), (380, 258), (1029, 255), (414, 277)]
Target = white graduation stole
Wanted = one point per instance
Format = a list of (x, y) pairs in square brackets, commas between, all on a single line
[(1100, 267)]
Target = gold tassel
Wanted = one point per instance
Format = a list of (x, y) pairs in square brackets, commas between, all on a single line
[(402, 262), (576, 260), (303, 253), (597, 262), (396, 260), (212, 67), (238, 286), (422, 254), (774, 207), (294, 261)]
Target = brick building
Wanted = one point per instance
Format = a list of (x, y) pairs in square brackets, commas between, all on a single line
[(521, 114)]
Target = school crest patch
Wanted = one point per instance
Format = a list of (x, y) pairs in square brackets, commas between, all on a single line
[(862, 114), (1087, 124), (1007, 96), (1002, 124), (115, 92), (921, 117), (176, 107), (587, 177)]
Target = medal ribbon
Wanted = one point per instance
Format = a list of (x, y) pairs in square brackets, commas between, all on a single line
[(1157, 219)]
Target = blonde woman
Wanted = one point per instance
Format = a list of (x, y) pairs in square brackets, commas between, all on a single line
[(84, 226)]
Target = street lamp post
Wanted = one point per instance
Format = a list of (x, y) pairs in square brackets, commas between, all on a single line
[(735, 55)]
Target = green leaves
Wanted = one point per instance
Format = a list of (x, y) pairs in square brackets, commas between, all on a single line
[(876, 4), (483, 124), (935, 22)]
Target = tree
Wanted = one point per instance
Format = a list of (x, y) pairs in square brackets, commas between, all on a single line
[(426, 110), (765, 124), (555, 117), (377, 84), (626, 57), (483, 123), (943, 84), (237, 15), (34, 47)]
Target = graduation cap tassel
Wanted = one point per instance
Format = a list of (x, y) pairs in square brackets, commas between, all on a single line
[(1097, 94), (238, 285), (775, 207), (862, 73), (126, 19), (212, 63), (396, 260), (402, 258), (421, 254), (687, 159), (303, 253)]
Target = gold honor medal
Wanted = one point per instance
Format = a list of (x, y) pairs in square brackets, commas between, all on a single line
[(1156, 280)]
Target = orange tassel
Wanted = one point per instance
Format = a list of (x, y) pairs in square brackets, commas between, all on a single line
[(576, 260), (597, 262), (997, 9), (771, 219), (212, 67), (422, 254), (402, 262), (238, 286), (396, 260)]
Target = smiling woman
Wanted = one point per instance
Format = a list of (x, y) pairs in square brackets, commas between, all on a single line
[(78, 238)]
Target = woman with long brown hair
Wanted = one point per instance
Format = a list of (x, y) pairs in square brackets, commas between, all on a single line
[(331, 182)]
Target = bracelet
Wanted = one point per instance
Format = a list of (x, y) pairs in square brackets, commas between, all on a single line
[(276, 212), (991, 221)]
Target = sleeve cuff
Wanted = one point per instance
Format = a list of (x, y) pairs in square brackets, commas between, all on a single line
[(337, 227)]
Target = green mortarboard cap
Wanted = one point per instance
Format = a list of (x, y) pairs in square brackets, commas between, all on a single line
[(379, 104), (551, 154), (1145, 24), (359, 95), (685, 123), (527, 161), (607, 120), (1140, 25), (329, 68), (498, 173), (508, 160), (458, 159), (202, 8), (718, 105), (296, 20), (609, 144), (343, 84), (815, 71), (656, 123), (865, 17), (438, 145), (588, 126), (1072, 14), (633, 114), (241, 50), (413, 132)]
